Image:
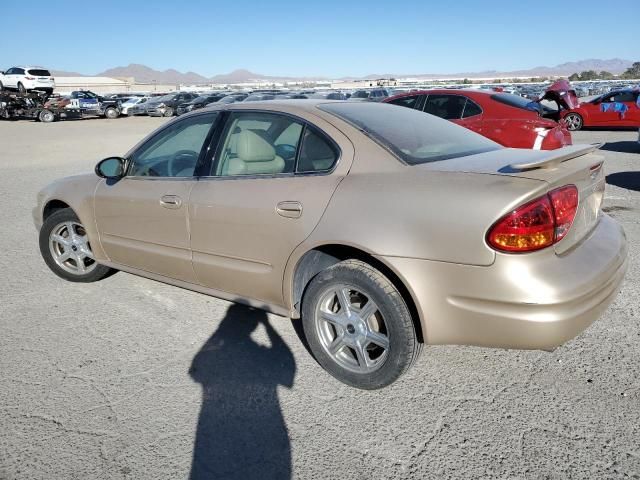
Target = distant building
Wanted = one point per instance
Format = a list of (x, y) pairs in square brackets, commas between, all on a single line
[(104, 85)]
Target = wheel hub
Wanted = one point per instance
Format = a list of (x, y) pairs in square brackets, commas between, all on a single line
[(70, 248), (352, 330)]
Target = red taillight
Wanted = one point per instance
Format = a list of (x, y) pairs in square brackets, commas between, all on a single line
[(537, 224), (564, 201), (29, 78)]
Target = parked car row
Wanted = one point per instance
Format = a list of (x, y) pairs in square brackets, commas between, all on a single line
[(520, 116), (179, 103)]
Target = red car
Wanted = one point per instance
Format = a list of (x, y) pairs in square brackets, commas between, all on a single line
[(507, 119), (618, 108)]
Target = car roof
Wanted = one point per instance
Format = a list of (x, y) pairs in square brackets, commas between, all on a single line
[(29, 67), (303, 104), (446, 90)]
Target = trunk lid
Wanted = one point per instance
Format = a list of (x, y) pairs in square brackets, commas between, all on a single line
[(575, 165), (562, 93)]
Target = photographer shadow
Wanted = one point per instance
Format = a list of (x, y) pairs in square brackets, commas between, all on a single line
[(241, 432)]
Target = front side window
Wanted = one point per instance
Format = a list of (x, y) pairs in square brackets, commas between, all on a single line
[(448, 107), (258, 143), (410, 101), (173, 152), (623, 97)]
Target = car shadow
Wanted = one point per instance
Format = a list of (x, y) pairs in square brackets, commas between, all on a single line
[(241, 432), (626, 146), (628, 180)]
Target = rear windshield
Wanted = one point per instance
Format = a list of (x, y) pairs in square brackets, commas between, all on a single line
[(413, 136), (39, 73), (517, 102)]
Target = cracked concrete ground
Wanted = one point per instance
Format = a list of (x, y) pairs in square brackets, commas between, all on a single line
[(131, 379)]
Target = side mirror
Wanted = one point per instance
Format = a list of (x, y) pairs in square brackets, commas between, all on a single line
[(111, 168)]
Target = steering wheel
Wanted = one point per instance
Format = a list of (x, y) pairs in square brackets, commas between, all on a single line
[(148, 171), (179, 158)]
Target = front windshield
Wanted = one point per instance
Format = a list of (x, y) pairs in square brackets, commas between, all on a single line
[(413, 136), (132, 101), (360, 94)]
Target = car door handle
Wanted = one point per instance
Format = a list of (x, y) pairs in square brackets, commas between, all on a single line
[(171, 201), (289, 209)]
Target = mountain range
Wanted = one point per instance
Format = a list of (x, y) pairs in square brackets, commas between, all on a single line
[(145, 74)]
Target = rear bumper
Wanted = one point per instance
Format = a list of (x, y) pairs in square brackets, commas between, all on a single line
[(533, 301)]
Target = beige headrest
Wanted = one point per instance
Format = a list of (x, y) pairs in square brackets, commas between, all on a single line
[(253, 148)]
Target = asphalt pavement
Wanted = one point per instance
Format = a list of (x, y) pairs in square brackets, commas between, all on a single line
[(128, 378)]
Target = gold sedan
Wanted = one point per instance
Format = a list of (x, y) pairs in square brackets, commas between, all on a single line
[(381, 227)]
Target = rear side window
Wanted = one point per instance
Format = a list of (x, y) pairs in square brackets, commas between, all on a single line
[(316, 153), (258, 143), (448, 107), (410, 102), (471, 109), (409, 134), (39, 73)]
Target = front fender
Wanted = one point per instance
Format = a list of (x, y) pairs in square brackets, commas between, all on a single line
[(77, 192)]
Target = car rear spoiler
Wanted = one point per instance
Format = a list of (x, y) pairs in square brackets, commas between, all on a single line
[(556, 157)]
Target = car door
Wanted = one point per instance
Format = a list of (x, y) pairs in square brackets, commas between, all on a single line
[(142, 219), (11, 78), (270, 182), (611, 110), (625, 108)]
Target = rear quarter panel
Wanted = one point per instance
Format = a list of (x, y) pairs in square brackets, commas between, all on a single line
[(441, 216)]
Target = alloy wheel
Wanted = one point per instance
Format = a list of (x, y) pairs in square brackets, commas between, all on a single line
[(70, 248), (351, 329), (573, 121)]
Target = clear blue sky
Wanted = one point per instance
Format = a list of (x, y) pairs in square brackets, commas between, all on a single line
[(317, 37)]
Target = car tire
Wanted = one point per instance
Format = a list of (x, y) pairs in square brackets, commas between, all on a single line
[(64, 249), (370, 343), (573, 121), (168, 112), (46, 116), (21, 88), (111, 113)]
